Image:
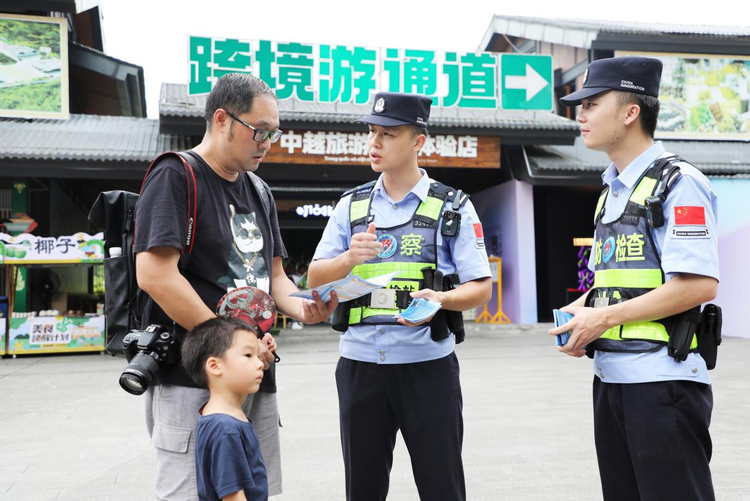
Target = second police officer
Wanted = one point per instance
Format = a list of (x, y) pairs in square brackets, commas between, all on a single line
[(655, 261), (393, 375)]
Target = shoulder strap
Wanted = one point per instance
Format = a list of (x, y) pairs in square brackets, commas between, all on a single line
[(368, 187), (262, 189), (264, 193), (599, 213), (359, 208), (430, 210), (190, 165)]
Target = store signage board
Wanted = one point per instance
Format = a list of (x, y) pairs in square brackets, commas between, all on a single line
[(31, 249), (350, 148), (58, 334)]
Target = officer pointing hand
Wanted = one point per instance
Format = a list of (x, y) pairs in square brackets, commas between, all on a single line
[(364, 246)]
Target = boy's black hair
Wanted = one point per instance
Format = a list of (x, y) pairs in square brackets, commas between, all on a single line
[(649, 106), (235, 93), (212, 338)]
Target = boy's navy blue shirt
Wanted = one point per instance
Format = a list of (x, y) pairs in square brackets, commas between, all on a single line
[(227, 459)]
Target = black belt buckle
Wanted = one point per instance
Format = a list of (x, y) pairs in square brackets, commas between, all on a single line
[(451, 223)]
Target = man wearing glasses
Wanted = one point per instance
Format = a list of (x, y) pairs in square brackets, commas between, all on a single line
[(236, 243)]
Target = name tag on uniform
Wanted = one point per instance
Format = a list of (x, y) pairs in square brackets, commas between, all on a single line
[(690, 233)]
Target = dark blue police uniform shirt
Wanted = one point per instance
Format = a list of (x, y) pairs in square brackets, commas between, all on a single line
[(227, 459)]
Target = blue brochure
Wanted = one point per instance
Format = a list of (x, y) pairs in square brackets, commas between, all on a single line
[(562, 318), (420, 310)]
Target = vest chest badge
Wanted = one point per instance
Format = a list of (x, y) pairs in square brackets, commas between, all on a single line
[(609, 249), (389, 245)]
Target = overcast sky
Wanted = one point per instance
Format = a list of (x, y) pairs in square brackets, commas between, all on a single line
[(154, 33)]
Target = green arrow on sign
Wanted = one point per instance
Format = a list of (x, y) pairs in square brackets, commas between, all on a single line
[(526, 82)]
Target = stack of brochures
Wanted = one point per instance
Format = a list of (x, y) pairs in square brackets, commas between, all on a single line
[(562, 318), (420, 310)]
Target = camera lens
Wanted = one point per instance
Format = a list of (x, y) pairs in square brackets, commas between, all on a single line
[(139, 374)]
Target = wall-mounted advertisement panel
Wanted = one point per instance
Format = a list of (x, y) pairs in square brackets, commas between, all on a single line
[(33, 67), (703, 96)]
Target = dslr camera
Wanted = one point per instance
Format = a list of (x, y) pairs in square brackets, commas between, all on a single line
[(146, 351)]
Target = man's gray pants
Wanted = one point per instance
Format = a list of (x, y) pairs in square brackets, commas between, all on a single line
[(171, 418)]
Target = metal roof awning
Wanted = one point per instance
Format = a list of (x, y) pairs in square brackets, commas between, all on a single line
[(578, 165), (183, 114), (84, 146), (619, 35)]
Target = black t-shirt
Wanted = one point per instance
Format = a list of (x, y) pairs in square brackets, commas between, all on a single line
[(230, 240)]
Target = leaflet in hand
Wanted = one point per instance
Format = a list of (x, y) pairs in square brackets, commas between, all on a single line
[(562, 318), (348, 288), (420, 310)]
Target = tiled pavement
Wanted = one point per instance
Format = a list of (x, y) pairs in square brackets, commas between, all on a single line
[(68, 432)]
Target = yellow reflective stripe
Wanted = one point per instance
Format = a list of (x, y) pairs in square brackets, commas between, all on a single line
[(647, 331), (371, 312), (644, 189), (600, 203), (409, 271), (358, 209), (356, 315), (631, 279), (430, 208), (650, 331), (613, 333)]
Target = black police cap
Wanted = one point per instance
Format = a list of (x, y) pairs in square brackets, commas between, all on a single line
[(391, 109), (640, 75)]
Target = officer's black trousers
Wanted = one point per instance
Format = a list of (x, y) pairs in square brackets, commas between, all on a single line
[(652, 440), (424, 401)]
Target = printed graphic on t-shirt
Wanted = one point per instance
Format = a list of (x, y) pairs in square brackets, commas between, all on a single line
[(246, 264)]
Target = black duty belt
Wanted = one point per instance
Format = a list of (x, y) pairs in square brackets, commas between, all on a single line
[(402, 299)]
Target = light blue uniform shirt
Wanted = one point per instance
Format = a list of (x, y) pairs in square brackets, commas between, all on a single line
[(699, 256), (465, 255)]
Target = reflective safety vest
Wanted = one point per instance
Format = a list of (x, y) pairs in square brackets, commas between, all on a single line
[(627, 265), (408, 248)]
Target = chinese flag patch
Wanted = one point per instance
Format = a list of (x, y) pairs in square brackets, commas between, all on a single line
[(689, 215), (478, 231)]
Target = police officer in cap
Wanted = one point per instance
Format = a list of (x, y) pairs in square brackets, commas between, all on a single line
[(394, 375), (655, 261)]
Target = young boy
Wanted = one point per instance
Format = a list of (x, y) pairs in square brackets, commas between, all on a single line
[(221, 354)]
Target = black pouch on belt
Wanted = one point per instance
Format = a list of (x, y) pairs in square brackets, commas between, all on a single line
[(341, 317), (454, 319), (433, 279), (681, 331), (709, 334)]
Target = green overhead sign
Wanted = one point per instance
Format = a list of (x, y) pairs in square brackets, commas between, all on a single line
[(527, 82), (344, 74)]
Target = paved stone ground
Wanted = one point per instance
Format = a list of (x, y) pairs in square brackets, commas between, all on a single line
[(68, 432)]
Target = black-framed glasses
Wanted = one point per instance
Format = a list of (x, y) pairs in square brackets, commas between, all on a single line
[(259, 135)]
